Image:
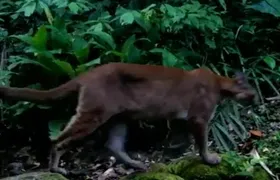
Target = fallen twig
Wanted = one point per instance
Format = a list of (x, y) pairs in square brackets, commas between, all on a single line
[(256, 155), (273, 98)]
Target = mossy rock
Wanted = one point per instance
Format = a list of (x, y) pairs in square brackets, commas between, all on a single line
[(192, 168), (37, 176), (153, 176)]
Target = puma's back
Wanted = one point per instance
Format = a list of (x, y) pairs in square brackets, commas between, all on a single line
[(155, 90)]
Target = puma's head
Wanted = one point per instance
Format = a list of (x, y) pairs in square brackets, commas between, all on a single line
[(242, 89), (239, 88)]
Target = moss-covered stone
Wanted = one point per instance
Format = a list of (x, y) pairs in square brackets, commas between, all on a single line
[(269, 149), (37, 176), (260, 174), (192, 168), (153, 176)]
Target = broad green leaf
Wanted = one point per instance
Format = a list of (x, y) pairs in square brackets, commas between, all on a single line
[(148, 8), (80, 69), (267, 6), (44, 59), (80, 48), (59, 40), (141, 21), (17, 60), (96, 27), (15, 16), (43, 4), (127, 18), (231, 50), (223, 4), (47, 59), (60, 3), (168, 59), (25, 38), (116, 53), (216, 21), (128, 43), (79, 43), (55, 127), (39, 41), (21, 107), (83, 67), (193, 19), (194, 6), (74, 8), (153, 35), (59, 24), (104, 15), (129, 50), (98, 45), (103, 38), (120, 11), (65, 67), (5, 77), (93, 62), (170, 10), (82, 54), (270, 62), (210, 42), (28, 8), (133, 55), (59, 37)]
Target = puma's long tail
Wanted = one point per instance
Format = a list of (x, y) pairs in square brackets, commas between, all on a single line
[(28, 94)]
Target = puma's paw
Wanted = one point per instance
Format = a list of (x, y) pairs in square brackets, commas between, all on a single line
[(212, 159), (59, 170), (139, 165)]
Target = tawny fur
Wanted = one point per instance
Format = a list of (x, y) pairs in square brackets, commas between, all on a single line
[(142, 91)]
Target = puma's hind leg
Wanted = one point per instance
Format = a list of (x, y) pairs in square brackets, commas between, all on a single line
[(116, 143), (80, 126)]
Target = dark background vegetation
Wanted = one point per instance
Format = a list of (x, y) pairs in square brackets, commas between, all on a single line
[(44, 43)]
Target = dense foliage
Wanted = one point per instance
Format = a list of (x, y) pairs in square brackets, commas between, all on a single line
[(47, 42)]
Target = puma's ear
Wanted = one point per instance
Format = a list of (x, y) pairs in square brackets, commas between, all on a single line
[(240, 78)]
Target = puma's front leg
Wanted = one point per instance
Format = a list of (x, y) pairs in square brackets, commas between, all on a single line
[(199, 129)]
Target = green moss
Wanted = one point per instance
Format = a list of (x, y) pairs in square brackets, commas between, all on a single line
[(153, 176), (269, 149), (53, 176), (37, 176), (158, 167), (192, 168), (260, 174)]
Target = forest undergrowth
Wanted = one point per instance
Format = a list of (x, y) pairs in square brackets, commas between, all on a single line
[(45, 43)]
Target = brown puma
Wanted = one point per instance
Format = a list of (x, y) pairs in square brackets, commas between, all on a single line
[(140, 91)]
